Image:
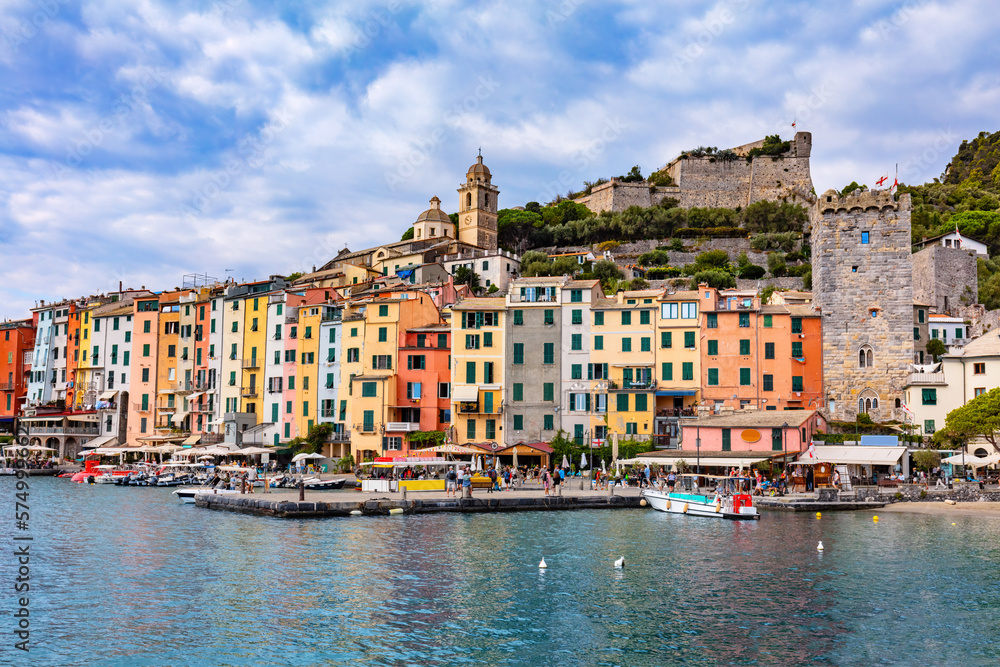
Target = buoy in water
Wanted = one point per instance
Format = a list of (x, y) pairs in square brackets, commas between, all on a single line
[(620, 563), (819, 515), (642, 503), (396, 510), (819, 547), (875, 519), (542, 565), (953, 524), (355, 512)]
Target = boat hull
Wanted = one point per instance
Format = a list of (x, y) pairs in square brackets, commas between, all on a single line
[(188, 495), (695, 505)]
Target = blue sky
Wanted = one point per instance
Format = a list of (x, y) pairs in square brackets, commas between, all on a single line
[(140, 141)]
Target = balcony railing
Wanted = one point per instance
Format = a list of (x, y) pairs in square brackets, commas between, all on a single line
[(634, 385), (7, 386), (468, 407), (251, 363), (69, 430), (927, 378), (328, 412), (249, 392), (212, 438), (402, 426), (539, 298), (677, 412), (339, 436)]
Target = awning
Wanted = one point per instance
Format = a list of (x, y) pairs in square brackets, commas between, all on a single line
[(108, 395), (692, 460), (676, 392), (167, 391), (84, 418), (465, 393), (191, 397), (193, 440), (100, 441), (845, 454), (178, 417)]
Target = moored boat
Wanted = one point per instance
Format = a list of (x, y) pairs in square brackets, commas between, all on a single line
[(187, 495), (730, 499)]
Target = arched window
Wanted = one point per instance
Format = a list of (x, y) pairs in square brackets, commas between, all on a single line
[(486, 201), (871, 358), (861, 358), (861, 405), (899, 403), (468, 200), (868, 405), (874, 404), (866, 357)]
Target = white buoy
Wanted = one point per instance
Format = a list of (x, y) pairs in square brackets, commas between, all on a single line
[(542, 565), (620, 563), (819, 547)]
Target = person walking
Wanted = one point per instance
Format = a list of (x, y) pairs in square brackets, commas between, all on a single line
[(450, 483), (546, 481), (467, 482), (492, 474)]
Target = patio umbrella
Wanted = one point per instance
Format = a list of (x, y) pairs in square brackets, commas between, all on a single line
[(515, 457), (583, 460), (301, 457), (614, 447), (565, 463), (603, 469)]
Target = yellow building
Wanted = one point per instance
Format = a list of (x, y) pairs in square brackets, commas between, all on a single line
[(477, 369), (622, 343), (84, 385), (255, 327), (678, 363), (307, 369)]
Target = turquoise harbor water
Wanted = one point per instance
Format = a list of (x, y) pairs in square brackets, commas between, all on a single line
[(132, 577)]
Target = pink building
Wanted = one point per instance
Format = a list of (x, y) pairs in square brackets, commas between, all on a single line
[(763, 434)]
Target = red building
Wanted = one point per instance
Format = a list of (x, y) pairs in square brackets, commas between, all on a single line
[(17, 340), (423, 396)]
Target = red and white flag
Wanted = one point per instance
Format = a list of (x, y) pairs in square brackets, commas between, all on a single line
[(880, 182)]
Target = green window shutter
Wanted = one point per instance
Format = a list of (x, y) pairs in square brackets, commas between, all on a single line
[(548, 423), (598, 342), (383, 311), (369, 389), (577, 316), (667, 371), (769, 350), (712, 320), (626, 344), (599, 319), (488, 402), (518, 391), (470, 372), (578, 434), (745, 377), (796, 325), (488, 339), (727, 440), (797, 350), (548, 393), (744, 346), (776, 440), (576, 342), (689, 338), (622, 402), (644, 344), (305, 408), (643, 317), (518, 317), (576, 372), (768, 321), (518, 422), (368, 420), (470, 429), (713, 348), (518, 353), (640, 402), (796, 383), (687, 370), (713, 376), (666, 339), (929, 396), (145, 349), (549, 318), (549, 354), (576, 296), (928, 427), (274, 412), (343, 410), (768, 383), (744, 320)]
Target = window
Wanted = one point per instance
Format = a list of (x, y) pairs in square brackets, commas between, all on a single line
[(383, 334), (641, 402), (667, 371), (621, 402), (549, 317), (768, 321), (383, 311), (713, 376), (470, 372), (368, 421), (687, 370), (518, 391), (666, 339), (689, 339), (928, 427), (979, 391), (745, 377), (599, 319), (145, 375), (920, 316), (727, 440), (471, 342), (577, 316), (548, 392), (916, 333), (797, 325), (576, 372), (768, 383), (864, 237), (576, 296), (979, 369), (744, 320), (146, 327), (413, 391), (518, 317), (712, 321), (488, 375), (668, 311), (415, 362), (797, 383), (643, 317), (797, 350), (689, 310), (598, 342), (442, 341), (576, 342), (928, 396), (644, 344), (744, 346), (518, 353), (518, 422), (713, 348), (145, 349), (548, 354), (626, 344), (626, 318), (548, 423)]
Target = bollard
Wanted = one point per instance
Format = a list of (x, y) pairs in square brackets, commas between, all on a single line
[(404, 493), (559, 493), (581, 484), (611, 490), (302, 490)]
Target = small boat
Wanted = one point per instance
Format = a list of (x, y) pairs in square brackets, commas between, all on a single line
[(187, 495), (731, 499), (316, 484)]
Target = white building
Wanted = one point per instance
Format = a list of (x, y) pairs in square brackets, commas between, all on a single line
[(955, 240), (495, 267)]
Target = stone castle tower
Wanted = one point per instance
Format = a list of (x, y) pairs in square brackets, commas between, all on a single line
[(477, 207), (863, 284)]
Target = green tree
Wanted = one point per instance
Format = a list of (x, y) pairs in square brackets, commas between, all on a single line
[(314, 440), (926, 459), (466, 276), (634, 175), (713, 278), (407, 235), (979, 418), (605, 270), (935, 348), (776, 264)]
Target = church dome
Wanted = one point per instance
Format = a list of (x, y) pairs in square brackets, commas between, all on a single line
[(479, 170), (434, 213)]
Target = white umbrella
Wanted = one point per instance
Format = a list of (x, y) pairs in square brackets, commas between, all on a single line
[(565, 463), (249, 451), (301, 457), (614, 447), (583, 460), (603, 469), (515, 457)]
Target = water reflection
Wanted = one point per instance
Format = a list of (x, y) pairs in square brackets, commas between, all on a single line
[(154, 581)]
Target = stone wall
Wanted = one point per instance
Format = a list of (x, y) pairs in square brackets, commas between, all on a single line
[(961, 492), (945, 278), (851, 282), (707, 182), (531, 374)]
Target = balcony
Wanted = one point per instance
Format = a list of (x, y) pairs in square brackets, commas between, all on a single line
[(674, 413), (632, 386), (248, 392), (69, 430), (339, 436), (539, 298), (927, 378), (328, 412), (251, 363), (212, 438), (7, 386), (405, 427), (468, 407)]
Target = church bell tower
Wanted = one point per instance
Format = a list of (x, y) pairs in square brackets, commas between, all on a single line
[(477, 207)]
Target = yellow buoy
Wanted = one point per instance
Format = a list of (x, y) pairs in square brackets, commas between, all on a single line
[(875, 519), (718, 507), (396, 511), (642, 503), (668, 504), (685, 508), (819, 514), (953, 524)]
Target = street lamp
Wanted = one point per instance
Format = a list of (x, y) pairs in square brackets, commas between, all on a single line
[(784, 446), (697, 445)]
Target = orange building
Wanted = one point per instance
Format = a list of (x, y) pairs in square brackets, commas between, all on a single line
[(422, 384), (17, 339), (142, 384), (759, 357)]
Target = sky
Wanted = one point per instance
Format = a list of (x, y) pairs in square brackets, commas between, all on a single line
[(141, 141)]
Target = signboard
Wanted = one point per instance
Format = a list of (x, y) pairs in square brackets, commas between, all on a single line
[(750, 435)]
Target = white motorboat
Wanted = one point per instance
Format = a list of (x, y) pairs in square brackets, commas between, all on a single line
[(730, 500), (187, 495)]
